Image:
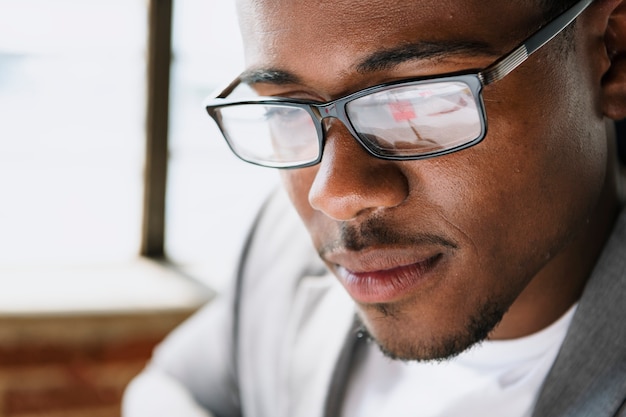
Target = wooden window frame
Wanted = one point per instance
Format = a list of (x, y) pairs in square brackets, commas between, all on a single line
[(159, 57)]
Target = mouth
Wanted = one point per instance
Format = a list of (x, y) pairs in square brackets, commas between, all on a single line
[(388, 283)]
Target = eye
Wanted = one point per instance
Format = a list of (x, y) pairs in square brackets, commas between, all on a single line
[(286, 117), (283, 113)]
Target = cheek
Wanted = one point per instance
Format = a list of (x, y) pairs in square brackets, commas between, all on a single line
[(298, 183), (532, 183)]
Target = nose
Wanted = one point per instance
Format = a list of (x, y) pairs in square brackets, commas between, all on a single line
[(349, 181)]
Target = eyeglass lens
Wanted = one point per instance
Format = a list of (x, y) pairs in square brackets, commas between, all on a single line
[(418, 119)]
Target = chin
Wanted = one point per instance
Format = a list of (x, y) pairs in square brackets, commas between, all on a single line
[(403, 336)]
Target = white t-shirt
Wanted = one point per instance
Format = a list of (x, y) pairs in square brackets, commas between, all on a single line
[(493, 379)]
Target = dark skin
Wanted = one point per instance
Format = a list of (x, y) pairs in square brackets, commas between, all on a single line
[(516, 222)]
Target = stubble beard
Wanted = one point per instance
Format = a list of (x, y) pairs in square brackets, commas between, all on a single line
[(397, 347)]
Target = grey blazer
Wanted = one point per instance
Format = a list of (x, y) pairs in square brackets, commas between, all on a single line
[(281, 344)]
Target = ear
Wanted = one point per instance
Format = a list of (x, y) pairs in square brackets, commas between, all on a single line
[(614, 79)]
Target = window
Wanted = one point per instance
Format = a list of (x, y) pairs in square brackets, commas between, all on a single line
[(73, 104), (71, 130)]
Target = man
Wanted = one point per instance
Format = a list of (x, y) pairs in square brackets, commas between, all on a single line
[(460, 188)]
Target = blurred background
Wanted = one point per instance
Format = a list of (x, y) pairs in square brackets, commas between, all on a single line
[(121, 208)]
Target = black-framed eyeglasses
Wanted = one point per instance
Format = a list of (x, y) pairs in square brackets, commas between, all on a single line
[(404, 120)]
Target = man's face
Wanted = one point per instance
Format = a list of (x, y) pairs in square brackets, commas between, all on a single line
[(435, 251)]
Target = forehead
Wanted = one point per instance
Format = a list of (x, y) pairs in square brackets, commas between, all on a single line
[(303, 36)]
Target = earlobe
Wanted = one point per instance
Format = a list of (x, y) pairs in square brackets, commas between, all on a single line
[(614, 80)]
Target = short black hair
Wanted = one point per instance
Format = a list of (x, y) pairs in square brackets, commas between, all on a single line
[(552, 8)]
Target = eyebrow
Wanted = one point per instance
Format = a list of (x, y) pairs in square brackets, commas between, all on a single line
[(270, 76), (382, 60), (389, 58)]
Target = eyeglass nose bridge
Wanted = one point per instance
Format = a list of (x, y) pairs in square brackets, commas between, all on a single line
[(331, 111), (326, 110)]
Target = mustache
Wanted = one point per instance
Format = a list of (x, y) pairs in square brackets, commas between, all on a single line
[(374, 232)]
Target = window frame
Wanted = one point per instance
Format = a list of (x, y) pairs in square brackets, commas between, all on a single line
[(159, 59)]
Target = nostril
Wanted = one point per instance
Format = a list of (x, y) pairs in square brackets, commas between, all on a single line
[(344, 197)]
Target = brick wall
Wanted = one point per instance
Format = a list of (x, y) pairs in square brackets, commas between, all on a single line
[(75, 365)]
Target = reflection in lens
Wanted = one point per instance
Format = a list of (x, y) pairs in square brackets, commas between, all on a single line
[(275, 135), (293, 133), (417, 119)]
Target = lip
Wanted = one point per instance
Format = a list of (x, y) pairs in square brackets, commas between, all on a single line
[(385, 278)]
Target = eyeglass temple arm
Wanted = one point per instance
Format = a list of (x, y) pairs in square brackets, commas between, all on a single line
[(502, 67), (223, 92)]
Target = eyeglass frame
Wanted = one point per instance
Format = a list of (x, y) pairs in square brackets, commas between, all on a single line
[(474, 79)]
